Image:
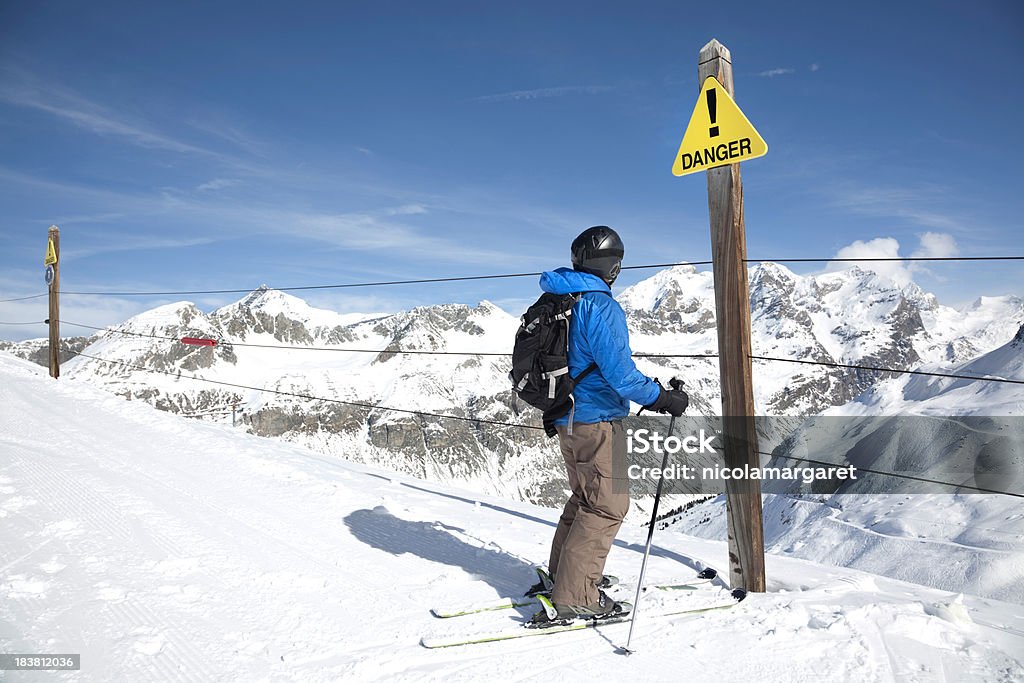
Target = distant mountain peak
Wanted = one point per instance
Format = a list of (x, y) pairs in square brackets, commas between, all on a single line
[(485, 307), (263, 294), (777, 269), (162, 317), (667, 287)]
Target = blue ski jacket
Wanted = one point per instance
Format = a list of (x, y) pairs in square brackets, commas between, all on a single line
[(598, 334)]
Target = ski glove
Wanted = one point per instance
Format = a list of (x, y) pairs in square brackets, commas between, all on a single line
[(674, 402)]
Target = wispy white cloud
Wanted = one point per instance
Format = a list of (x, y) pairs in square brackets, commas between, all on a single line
[(914, 204), (388, 228), (541, 93), (22, 88), (218, 184), (772, 73), (103, 217), (814, 67), (232, 133), (353, 301), (136, 243), (99, 195), (407, 210), (67, 105), (375, 231), (365, 151), (96, 311), (674, 79)]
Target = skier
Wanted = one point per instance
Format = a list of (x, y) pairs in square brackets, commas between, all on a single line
[(591, 436)]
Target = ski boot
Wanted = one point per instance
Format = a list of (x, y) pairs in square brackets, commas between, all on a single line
[(546, 583), (562, 615)]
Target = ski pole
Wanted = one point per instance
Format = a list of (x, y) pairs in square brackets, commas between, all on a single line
[(650, 537)]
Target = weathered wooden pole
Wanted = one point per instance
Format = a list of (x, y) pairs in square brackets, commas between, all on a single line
[(732, 304), (53, 261)]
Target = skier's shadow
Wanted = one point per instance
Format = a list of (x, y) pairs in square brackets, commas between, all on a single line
[(438, 542)]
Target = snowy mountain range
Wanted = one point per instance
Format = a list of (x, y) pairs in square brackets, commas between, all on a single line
[(853, 316)]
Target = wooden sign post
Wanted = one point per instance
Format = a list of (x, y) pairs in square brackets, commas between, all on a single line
[(53, 261), (732, 303)]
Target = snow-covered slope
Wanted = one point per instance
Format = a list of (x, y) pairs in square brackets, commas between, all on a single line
[(165, 549), (923, 395), (945, 537)]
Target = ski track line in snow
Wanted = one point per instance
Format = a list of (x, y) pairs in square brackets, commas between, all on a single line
[(225, 513), (165, 641), (904, 651), (894, 511), (24, 593), (948, 524), (122, 468), (74, 501), (27, 555), (833, 516), (890, 660), (75, 498), (1004, 628), (160, 645), (117, 526), (566, 655), (71, 498)]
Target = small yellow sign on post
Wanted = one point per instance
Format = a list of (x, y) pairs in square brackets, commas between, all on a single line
[(718, 133), (51, 254)]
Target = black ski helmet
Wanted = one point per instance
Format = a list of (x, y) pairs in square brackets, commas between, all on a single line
[(598, 251)]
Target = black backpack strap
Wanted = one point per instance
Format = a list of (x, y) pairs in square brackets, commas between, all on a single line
[(593, 366), (579, 378), (549, 425), (558, 411)]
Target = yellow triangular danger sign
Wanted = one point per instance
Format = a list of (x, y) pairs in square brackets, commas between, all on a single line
[(51, 254), (718, 133)]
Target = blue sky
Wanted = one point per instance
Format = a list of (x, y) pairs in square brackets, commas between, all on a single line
[(191, 145)]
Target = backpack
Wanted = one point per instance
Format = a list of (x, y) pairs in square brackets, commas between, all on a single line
[(540, 358)]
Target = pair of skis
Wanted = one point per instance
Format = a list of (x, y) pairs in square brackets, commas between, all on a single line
[(519, 631), (705, 577)]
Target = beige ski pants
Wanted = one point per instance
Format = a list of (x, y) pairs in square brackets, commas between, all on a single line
[(594, 512)]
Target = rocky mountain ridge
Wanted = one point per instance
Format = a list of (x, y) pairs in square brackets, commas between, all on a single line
[(852, 316)]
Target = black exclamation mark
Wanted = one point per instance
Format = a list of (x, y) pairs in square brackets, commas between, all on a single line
[(713, 111)]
